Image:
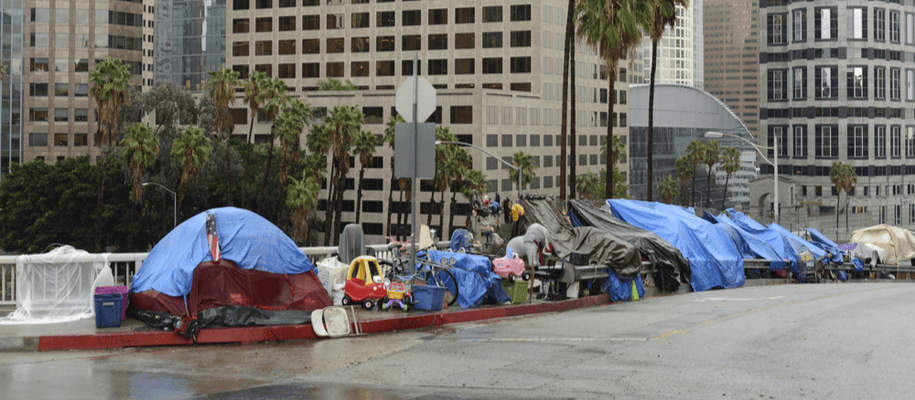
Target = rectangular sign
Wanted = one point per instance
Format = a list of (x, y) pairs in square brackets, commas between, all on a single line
[(404, 155)]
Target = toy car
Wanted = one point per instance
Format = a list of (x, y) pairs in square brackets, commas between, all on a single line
[(364, 283), (510, 268), (397, 294)]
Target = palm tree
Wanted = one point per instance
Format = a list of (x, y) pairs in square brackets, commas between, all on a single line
[(844, 177), (566, 75), (301, 197), (141, 149), (459, 164), (665, 14), (290, 125), (2, 71), (190, 151), (730, 161), (364, 145), (525, 162), (590, 186), (694, 153), (614, 27), (389, 129), (442, 176), (253, 87), (710, 157), (685, 172), (221, 87), (668, 189), (273, 99), (110, 82), (342, 124), (618, 151)]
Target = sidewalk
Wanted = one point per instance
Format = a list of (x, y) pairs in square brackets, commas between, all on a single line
[(83, 335)]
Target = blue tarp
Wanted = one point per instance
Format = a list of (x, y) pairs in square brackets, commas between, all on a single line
[(764, 243), (714, 259), (823, 242), (621, 289), (460, 240), (475, 277), (786, 244), (247, 239)]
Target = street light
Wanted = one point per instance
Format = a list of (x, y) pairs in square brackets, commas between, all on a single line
[(438, 142), (759, 149), (174, 201)]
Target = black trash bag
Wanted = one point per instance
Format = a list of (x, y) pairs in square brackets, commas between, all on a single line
[(666, 277)]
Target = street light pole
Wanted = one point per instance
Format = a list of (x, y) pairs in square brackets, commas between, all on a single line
[(174, 201), (437, 142), (759, 149)]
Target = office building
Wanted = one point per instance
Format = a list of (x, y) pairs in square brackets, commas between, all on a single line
[(680, 51), (732, 56)]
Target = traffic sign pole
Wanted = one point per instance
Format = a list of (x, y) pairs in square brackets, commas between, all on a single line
[(415, 157)]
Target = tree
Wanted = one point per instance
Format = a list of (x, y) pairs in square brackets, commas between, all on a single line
[(289, 126), (341, 125), (618, 150), (590, 186), (669, 189), (255, 84), (389, 129), (665, 14), (221, 86), (364, 146), (190, 152), (301, 198), (273, 99), (614, 28), (685, 172), (475, 184), (525, 163), (730, 161), (332, 84), (710, 156), (141, 149), (566, 75), (459, 165), (843, 176), (443, 170), (694, 153), (109, 85), (2, 71)]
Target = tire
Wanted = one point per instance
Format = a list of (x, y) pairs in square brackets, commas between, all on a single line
[(368, 304), (436, 279), (526, 276), (511, 278), (347, 301)]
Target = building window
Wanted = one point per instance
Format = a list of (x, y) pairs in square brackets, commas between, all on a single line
[(311, 22), (263, 24), (335, 21), (895, 141), (857, 141), (464, 66), (311, 46), (895, 84), (777, 26), (909, 28), (879, 24), (910, 84), (827, 23), (264, 3), (60, 139), (800, 141), (492, 40), (880, 141), (373, 115), (236, 5), (826, 141), (492, 65), (461, 114), (384, 68), (800, 25), (384, 19), (780, 132), (778, 89), (827, 82), (492, 14), (521, 65), (240, 25), (857, 83), (438, 41), (359, 45), (239, 49), (411, 18), (910, 142), (335, 45), (880, 82), (359, 68), (464, 41), (287, 3), (334, 70), (857, 23), (38, 139), (285, 47), (411, 43), (263, 48), (521, 39), (265, 68), (61, 115), (80, 90), (520, 86), (311, 70), (406, 67), (521, 12), (438, 16), (894, 26), (62, 89), (464, 15), (800, 83), (242, 71), (285, 71), (38, 89), (360, 20), (438, 67), (384, 43), (287, 23)]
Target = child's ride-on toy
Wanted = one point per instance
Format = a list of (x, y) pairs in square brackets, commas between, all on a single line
[(364, 283), (510, 268), (397, 294)]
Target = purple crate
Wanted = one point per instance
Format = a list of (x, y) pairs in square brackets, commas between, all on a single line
[(123, 290)]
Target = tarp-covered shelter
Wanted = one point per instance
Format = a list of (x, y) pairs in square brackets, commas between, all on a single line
[(657, 251), (754, 243), (867, 252), (475, 277), (820, 240), (899, 243), (714, 260), (602, 247), (261, 274)]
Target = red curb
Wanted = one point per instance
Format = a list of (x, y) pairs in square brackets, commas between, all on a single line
[(299, 332)]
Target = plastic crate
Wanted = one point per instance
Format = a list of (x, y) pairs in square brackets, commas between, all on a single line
[(123, 290), (517, 291), (429, 298), (108, 310)]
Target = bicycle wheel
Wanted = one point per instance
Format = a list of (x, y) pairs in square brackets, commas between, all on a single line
[(442, 277)]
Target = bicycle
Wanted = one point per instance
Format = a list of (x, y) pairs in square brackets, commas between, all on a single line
[(429, 272)]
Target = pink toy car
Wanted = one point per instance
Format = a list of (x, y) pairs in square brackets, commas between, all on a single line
[(510, 268)]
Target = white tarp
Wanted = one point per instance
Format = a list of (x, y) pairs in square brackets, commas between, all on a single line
[(58, 286), (899, 243)]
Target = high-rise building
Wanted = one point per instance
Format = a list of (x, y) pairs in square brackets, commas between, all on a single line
[(838, 82), (49, 47), (497, 69), (190, 41), (680, 51), (732, 56)]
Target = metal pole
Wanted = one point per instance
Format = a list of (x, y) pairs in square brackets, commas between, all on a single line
[(415, 162), (491, 155), (776, 178)]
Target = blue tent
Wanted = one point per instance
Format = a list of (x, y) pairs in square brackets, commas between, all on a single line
[(247, 239), (765, 243), (820, 240), (712, 255)]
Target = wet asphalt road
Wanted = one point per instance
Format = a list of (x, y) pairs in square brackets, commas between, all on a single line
[(832, 341)]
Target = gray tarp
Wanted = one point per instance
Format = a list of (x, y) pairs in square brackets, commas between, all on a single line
[(603, 247), (656, 250)]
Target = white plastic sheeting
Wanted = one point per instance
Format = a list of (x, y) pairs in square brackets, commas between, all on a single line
[(58, 286)]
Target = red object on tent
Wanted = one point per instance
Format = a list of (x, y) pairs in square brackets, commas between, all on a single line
[(217, 284), (213, 238)]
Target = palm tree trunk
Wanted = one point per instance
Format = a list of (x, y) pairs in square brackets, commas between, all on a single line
[(260, 197), (451, 213), (838, 196), (654, 66), (359, 195), (572, 132), (248, 145), (390, 202), (708, 189), (100, 199), (229, 187), (441, 213), (338, 205), (611, 74), (725, 197), (692, 201), (432, 196), (565, 102), (328, 205)]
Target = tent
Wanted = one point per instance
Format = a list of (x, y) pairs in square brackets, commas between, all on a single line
[(823, 242), (867, 252), (713, 258), (899, 243), (261, 277)]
